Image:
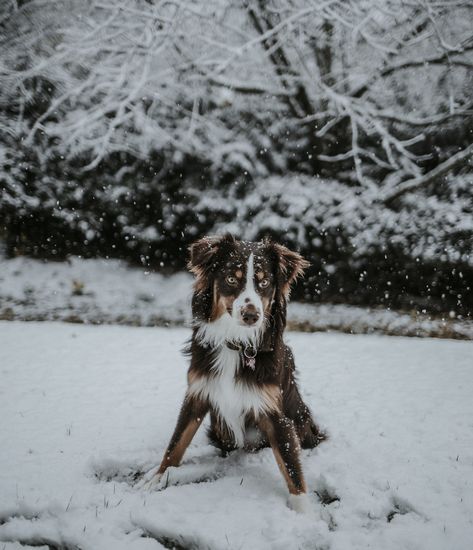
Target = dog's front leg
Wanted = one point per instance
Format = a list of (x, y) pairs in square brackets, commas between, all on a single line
[(192, 414), (286, 447)]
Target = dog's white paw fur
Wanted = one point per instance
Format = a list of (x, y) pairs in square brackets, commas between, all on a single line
[(299, 503), (154, 483)]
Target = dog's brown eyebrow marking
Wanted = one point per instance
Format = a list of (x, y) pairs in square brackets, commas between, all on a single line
[(239, 274), (260, 275)]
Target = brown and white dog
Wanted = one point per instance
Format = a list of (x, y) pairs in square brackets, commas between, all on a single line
[(241, 372)]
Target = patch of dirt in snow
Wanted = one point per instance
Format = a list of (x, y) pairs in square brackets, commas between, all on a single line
[(110, 292)]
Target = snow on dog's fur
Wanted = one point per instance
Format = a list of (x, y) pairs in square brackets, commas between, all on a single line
[(241, 372)]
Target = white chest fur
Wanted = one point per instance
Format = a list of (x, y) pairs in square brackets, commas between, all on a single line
[(231, 399)]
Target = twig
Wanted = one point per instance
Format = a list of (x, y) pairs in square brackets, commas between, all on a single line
[(437, 172)]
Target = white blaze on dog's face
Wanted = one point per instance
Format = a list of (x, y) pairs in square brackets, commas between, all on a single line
[(247, 309)]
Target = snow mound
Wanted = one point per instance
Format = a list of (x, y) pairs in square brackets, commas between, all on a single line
[(99, 291)]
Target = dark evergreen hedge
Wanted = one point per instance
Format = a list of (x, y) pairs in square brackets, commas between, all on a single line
[(417, 256)]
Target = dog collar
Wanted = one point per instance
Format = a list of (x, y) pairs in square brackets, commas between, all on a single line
[(238, 346), (248, 352)]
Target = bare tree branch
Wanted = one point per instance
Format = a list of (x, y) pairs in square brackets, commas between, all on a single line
[(462, 157), (441, 59)]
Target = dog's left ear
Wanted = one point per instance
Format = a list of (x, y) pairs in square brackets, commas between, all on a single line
[(291, 265)]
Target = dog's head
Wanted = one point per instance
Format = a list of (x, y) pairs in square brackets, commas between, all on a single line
[(244, 283)]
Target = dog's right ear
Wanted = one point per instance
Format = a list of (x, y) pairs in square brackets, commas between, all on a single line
[(203, 260), (202, 257), (201, 254)]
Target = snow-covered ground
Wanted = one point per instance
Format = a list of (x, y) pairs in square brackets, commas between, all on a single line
[(85, 409), (109, 291), (91, 291)]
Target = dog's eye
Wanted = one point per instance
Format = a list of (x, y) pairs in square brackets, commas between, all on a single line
[(263, 283), (231, 280)]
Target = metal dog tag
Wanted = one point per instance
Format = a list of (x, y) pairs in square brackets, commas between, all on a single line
[(250, 353), (250, 362)]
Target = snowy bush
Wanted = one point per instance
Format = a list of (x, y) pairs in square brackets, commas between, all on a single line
[(418, 255)]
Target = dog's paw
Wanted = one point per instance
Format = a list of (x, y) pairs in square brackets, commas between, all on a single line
[(151, 482), (154, 484), (300, 503)]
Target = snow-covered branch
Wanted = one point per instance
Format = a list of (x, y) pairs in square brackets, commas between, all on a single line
[(349, 81), (462, 157)]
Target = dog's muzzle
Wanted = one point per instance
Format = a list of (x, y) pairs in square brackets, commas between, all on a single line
[(250, 315)]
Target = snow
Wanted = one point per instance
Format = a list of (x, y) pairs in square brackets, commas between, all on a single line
[(84, 408), (92, 291), (358, 320), (108, 291)]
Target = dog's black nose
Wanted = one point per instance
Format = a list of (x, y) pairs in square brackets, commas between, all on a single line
[(250, 315)]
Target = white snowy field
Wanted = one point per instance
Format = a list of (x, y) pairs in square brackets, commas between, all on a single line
[(83, 409)]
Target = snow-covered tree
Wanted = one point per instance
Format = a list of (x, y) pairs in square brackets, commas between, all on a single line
[(358, 83), (134, 120)]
